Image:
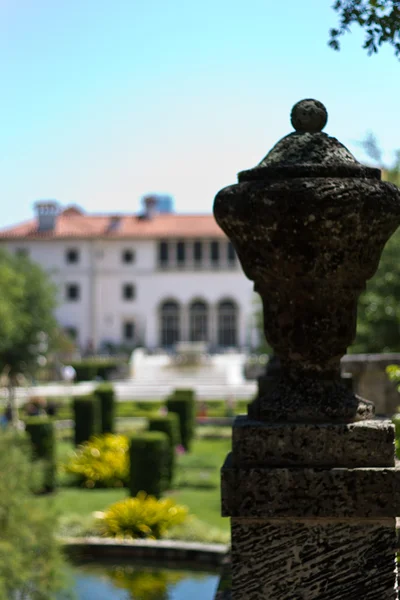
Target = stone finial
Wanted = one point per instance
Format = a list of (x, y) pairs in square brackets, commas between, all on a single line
[(309, 116), (309, 224)]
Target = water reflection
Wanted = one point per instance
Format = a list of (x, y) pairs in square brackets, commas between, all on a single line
[(127, 582)]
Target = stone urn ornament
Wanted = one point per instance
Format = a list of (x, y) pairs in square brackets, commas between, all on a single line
[(309, 224)]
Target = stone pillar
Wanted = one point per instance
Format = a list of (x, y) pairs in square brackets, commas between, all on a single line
[(311, 485)]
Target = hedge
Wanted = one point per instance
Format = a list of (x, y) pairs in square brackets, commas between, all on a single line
[(42, 435), (184, 406), (168, 424), (105, 394), (184, 393), (88, 369), (87, 418), (148, 466)]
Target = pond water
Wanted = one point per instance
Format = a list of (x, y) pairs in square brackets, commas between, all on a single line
[(125, 582)]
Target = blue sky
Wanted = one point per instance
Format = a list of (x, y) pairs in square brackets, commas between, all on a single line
[(106, 100)]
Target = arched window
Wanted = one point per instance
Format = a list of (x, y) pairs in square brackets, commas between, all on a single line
[(170, 323), (227, 323), (198, 315)]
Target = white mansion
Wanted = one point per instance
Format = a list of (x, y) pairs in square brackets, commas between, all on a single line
[(151, 279)]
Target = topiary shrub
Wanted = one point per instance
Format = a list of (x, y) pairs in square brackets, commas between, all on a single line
[(184, 407), (168, 424), (105, 394), (88, 369), (42, 435), (142, 517), (148, 453), (103, 461), (87, 418), (184, 393)]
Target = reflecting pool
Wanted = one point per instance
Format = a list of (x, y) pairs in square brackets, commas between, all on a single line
[(127, 582)]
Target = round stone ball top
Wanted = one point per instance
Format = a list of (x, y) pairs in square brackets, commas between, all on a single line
[(309, 116)]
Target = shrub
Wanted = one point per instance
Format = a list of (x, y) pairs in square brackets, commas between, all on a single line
[(103, 461), (42, 435), (31, 563), (90, 368), (184, 407), (142, 517), (87, 418), (184, 393), (148, 466), (168, 424), (106, 396)]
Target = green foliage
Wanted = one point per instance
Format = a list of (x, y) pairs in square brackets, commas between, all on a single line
[(106, 396), (142, 517), (42, 435), (184, 393), (27, 323), (87, 418), (380, 19), (88, 369), (148, 453), (168, 424), (31, 563), (103, 461), (378, 325), (182, 403)]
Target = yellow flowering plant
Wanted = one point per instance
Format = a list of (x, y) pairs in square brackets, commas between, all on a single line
[(103, 461), (142, 517)]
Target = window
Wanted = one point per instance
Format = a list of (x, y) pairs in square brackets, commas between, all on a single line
[(180, 253), (128, 256), (72, 256), (197, 252), (227, 323), (215, 253), (22, 252), (198, 316), (72, 333), (163, 254), (169, 323), (72, 292), (231, 254), (128, 291), (128, 331)]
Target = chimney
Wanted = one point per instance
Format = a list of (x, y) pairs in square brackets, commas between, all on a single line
[(150, 206), (46, 213)]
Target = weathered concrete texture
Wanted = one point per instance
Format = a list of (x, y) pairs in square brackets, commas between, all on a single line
[(359, 444), (307, 399), (309, 225), (313, 560), (305, 492)]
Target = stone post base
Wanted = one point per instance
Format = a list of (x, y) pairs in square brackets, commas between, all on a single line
[(313, 560), (313, 509)]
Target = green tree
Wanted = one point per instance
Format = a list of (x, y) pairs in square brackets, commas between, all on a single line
[(29, 302), (27, 323), (380, 20), (378, 324)]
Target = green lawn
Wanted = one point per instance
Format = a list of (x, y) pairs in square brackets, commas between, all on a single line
[(197, 485)]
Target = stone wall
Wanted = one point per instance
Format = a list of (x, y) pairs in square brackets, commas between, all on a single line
[(370, 380)]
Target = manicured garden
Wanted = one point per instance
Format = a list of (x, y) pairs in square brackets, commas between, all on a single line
[(93, 475)]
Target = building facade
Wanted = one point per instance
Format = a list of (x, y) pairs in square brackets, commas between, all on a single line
[(151, 280)]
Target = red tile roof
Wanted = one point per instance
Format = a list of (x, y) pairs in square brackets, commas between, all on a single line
[(73, 223)]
